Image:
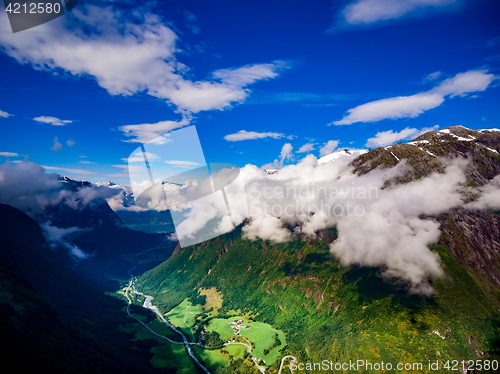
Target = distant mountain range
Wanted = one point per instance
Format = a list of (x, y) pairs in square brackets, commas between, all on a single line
[(64, 313)]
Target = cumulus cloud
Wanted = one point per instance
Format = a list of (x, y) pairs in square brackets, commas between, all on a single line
[(412, 106), (370, 11), (286, 152), (28, 187), (385, 138), (70, 143), (489, 197), (136, 52), (248, 135), (56, 146), (329, 147), (387, 227), (4, 114), (52, 121)]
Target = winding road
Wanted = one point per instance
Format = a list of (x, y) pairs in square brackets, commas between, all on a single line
[(147, 304), (249, 347), (294, 359)]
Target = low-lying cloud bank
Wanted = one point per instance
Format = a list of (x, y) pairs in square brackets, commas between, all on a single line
[(379, 224), (27, 186)]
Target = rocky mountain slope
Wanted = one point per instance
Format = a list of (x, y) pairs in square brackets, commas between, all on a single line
[(331, 311)]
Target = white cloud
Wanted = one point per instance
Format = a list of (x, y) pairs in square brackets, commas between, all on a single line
[(245, 75), (56, 146), (86, 162), (384, 226), (384, 138), (4, 114), (9, 154), (139, 157), (247, 135), (126, 52), (413, 106), (370, 11), (490, 196), (52, 120), (329, 147), (286, 152), (27, 186), (146, 132), (59, 236), (308, 147), (70, 143), (432, 77), (182, 164)]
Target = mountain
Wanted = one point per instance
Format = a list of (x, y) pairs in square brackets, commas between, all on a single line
[(335, 312), (66, 313), (53, 319)]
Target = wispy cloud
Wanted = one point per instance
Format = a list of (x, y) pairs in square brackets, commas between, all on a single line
[(364, 12), (146, 132), (182, 164), (56, 146), (308, 147), (249, 135), (4, 114), (329, 147), (69, 170), (70, 143), (385, 138), (52, 120), (86, 162), (432, 77), (139, 157), (412, 106), (192, 22), (9, 154)]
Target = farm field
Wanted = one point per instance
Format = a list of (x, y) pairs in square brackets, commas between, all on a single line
[(182, 316)]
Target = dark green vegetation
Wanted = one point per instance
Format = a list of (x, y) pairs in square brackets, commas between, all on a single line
[(338, 313), (57, 317), (331, 312), (53, 319), (149, 221)]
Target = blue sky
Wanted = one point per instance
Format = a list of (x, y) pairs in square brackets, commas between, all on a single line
[(81, 93)]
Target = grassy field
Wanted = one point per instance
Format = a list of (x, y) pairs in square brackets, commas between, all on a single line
[(261, 334), (222, 327), (214, 298), (164, 354), (235, 351), (182, 316)]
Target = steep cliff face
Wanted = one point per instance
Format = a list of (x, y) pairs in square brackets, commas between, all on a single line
[(471, 236)]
